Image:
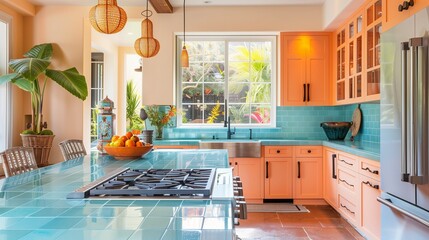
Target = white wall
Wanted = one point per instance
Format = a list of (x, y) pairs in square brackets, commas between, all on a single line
[(336, 12)]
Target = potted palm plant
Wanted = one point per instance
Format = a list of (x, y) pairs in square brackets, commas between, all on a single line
[(31, 75)]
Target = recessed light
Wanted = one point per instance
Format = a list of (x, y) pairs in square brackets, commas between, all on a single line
[(207, 2)]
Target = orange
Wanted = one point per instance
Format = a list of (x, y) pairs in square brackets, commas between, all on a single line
[(114, 138), (129, 135), (124, 138), (130, 143), (118, 143), (135, 138), (139, 144)]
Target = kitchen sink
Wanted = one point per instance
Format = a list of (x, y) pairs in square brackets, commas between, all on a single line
[(237, 148)]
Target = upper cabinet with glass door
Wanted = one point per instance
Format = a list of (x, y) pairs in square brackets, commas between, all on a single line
[(357, 56), (373, 31)]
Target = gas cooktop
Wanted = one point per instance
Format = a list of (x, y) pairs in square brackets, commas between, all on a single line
[(151, 183)]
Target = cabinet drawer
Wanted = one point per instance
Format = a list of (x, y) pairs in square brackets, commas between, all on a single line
[(278, 151), (348, 161), (348, 182), (369, 168), (348, 209), (308, 151)]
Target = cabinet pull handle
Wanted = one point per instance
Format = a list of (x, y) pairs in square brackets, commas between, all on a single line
[(350, 164), (308, 151), (266, 169), (236, 163), (343, 206), (375, 186), (369, 170), (308, 92), (305, 92), (278, 151), (299, 169), (344, 181), (334, 176)]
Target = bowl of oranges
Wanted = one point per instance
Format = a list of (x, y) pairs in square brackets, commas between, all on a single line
[(127, 147)]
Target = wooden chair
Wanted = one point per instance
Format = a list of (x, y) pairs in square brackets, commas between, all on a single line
[(17, 160), (72, 148)]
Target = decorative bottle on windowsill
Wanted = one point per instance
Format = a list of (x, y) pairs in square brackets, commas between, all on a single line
[(159, 118)]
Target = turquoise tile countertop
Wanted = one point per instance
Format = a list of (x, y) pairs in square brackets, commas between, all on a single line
[(33, 205), (363, 149)]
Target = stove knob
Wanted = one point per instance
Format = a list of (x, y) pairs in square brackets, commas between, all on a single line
[(242, 209), (239, 191), (236, 178), (238, 183)]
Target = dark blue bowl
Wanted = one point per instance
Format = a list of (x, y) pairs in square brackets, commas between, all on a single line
[(336, 130)]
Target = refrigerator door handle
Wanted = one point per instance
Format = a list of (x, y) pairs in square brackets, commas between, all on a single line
[(405, 175), (389, 204), (418, 114)]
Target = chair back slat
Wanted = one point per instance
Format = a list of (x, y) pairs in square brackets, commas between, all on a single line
[(72, 148), (17, 160)]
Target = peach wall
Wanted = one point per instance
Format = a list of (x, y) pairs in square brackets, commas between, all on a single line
[(158, 72), (63, 26), (66, 25)]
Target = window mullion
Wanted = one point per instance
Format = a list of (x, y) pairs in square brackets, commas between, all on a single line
[(226, 76)]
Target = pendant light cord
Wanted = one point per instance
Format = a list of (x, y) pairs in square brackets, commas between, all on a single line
[(184, 22)]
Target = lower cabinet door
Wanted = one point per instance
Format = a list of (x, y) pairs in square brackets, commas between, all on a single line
[(308, 179), (250, 171), (371, 209), (330, 190), (278, 178)]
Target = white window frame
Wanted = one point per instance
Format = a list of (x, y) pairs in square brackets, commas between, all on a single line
[(227, 37), (5, 89)]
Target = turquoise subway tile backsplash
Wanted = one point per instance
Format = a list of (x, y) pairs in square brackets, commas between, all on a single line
[(296, 123)]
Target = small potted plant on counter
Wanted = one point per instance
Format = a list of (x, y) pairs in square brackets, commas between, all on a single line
[(31, 75), (159, 118)]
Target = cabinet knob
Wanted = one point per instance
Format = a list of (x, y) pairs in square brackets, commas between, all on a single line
[(278, 151), (308, 151), (235, 163)]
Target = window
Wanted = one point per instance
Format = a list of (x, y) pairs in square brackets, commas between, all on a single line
[(238, 71), (97, 83), (5, 91)]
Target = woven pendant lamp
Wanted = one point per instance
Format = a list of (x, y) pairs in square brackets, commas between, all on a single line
[(107, 17), (185, 56), (147, 46)]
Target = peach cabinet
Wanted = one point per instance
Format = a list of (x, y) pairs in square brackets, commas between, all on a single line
[(370, 207), (395, 11), (357, 56), (278, 172), (353, 190), (308, 179), (330, 190), (278, 178), (250, 171), (305, 69)]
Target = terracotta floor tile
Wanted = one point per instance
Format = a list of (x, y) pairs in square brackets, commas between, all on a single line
[(329, 233), (261, 234), (332, 222), (296, 223), (323, 222)]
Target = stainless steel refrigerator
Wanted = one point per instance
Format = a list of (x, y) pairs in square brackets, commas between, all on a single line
[(404, 130)]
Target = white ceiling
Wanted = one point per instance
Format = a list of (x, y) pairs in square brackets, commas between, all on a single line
[(178, 3)]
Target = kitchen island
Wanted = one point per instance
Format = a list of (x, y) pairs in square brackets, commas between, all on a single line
[(33, 205)]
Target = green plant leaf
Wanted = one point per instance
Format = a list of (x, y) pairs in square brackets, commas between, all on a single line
[(70, 80), (29, 68), (41, 51), (7, 78), (24, 84)]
